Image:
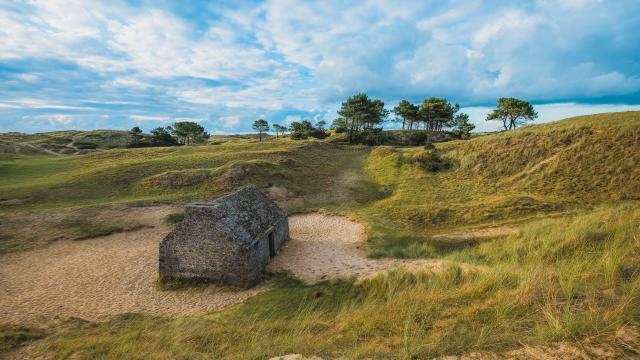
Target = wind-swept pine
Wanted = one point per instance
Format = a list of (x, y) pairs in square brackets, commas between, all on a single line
[(408, 113), (161, 136), (437, 113), (261, 126), (362, 113), (462, 127), (279, 129), (512, 112), (188, 133), (321, 124), (339, 125), (135, 134)]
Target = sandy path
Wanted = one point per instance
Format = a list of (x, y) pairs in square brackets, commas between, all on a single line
[(323, 247), (102, 276)]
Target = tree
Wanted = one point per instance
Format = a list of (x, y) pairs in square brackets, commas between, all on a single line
[(462, 126), (437, 113), (136, 137), (408, 113), (300, 130), (321, 124), (279, 129), (261, 126), (362, 113), (339, 125), (187, 133), (512, 112), (162, 137)]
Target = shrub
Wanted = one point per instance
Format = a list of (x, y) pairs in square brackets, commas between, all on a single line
[(432, 161), (85, 145), (174, 218), (418, 138)]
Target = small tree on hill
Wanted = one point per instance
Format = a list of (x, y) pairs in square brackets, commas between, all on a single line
[(279, 129), (362, 113), (437, 113), (261, 126), (162, 137), (300, 130), (408, 113), (321, 124), (512, 112), (188, 133), (339, 125), (462, 127), (136, 136)]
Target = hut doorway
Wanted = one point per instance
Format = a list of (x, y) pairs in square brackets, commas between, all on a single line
[(272, 245)]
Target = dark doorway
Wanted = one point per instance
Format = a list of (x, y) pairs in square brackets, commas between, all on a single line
[(272, 245)]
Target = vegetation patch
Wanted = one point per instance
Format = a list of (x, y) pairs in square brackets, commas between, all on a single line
[(15, 336), (81, 229), (175, 179), (174, 218)]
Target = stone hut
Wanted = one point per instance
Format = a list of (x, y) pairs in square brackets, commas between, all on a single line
[(229, 240)]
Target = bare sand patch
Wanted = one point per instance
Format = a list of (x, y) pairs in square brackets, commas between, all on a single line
[(324, 246), (106, 275), (115, 274)]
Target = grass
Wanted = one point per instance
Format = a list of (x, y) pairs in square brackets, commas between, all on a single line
[(571, 272), (170, 173), (15, 336), (556, 280), (174, 218)]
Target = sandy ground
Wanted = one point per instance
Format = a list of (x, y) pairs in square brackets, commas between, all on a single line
[(323, 247), (115, 274), (101, 276)]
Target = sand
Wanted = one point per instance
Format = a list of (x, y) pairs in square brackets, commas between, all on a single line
[(323, 247), (116, 274)]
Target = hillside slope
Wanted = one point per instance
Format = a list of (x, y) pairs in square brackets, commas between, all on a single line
[(568, 272), (62, 142), (536, 171)]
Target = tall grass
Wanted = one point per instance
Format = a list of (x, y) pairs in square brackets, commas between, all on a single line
[(563, 279)]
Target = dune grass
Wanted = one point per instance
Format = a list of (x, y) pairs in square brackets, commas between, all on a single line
[(177, 173), (571, 271), (563, 279)]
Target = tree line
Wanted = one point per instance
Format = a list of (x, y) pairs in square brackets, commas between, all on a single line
[(181, 133), (361, 118)]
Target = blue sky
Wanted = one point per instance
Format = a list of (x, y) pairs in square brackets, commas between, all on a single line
[(67, 64)]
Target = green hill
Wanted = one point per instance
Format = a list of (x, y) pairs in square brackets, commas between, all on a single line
[(569, 272), (62, 142)]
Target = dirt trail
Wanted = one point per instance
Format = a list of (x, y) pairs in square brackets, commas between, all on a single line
[(27, 144), (323, 247)]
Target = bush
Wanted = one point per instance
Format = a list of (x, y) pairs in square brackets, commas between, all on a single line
[(174, 218), (85, 145), (318, 133), (431, 161), (369, 137), (418, 138)]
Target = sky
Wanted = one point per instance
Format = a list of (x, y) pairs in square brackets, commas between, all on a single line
[(67, 64)]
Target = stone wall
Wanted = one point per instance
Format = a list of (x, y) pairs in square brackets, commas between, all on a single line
[(214, 243)]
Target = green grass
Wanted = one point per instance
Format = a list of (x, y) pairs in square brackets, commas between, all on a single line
[(571, 272), (169, 173), (15, 336), (556, 280)]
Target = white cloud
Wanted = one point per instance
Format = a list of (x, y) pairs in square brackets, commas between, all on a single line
[(230, 122), (40, 104), (149, 118)]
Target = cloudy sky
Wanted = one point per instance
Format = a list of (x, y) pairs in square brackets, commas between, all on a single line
[(87, 64)]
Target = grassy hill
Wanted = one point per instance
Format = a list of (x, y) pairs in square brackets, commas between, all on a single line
[(62, 142), (571, 272)]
